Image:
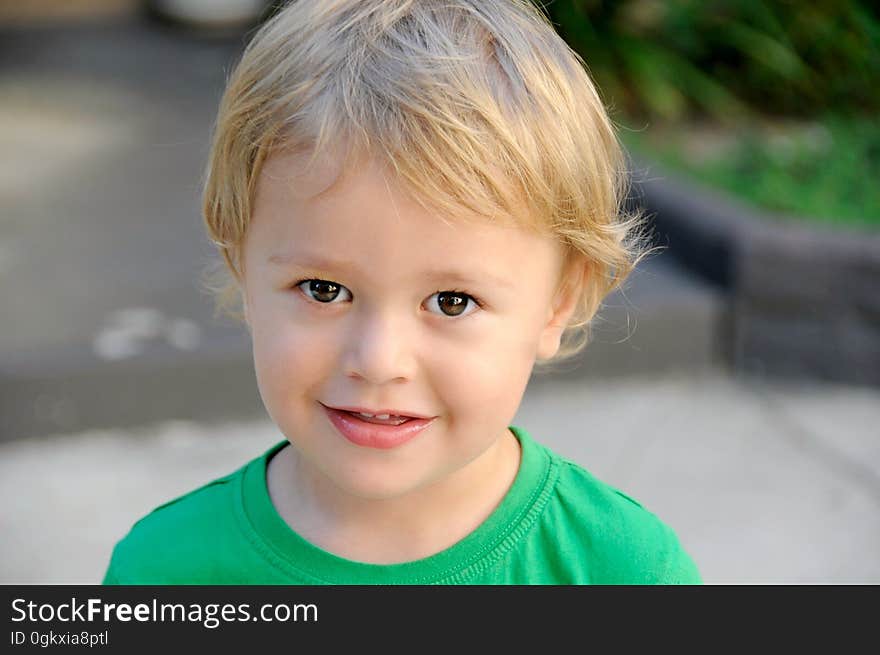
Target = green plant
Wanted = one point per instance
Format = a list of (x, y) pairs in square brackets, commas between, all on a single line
[(672, 59), (821, 170)]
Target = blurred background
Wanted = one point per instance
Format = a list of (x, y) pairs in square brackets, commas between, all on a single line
[(733, 386), (776, 102)]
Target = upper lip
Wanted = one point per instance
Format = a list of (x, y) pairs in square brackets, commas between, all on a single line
[(376, 412)]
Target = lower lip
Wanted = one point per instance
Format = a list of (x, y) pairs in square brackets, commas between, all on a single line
[(373, 435)]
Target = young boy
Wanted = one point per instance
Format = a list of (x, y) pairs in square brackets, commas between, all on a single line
[(417, 201)]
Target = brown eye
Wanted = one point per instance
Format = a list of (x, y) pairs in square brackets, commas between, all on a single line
[(452, 303), (322, 291)]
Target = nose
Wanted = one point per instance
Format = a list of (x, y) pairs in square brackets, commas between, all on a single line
[(379, 349)]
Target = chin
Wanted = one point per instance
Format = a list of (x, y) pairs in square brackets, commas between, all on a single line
[(380, 482), (382, 486)]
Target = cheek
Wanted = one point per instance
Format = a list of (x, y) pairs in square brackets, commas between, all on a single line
[(489, 375), (513, 341), (284, 363)]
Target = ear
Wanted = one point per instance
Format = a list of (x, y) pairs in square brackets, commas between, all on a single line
[(568, 292)]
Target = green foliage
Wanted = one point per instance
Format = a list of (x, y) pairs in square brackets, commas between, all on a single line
[(826, 171), (670, 59)]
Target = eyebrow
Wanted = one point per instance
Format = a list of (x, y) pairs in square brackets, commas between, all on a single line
[(283, 259)]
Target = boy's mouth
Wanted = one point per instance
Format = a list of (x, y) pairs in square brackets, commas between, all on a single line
[(389, 431), (380, 417), (383, 419)]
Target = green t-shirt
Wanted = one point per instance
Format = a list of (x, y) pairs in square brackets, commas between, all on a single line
[(557, 524)]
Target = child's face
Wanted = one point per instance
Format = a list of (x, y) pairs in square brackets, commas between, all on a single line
[(380, 336)]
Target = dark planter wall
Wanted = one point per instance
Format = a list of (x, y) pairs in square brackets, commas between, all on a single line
[(804, 299)]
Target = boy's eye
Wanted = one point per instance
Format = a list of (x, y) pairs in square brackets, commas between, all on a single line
[(453, 303), (450, 303), (322, 291)]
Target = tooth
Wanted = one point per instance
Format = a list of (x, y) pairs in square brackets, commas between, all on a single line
[(383, 416), (367, 415)]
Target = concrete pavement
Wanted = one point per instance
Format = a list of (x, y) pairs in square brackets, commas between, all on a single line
[(763, 482)]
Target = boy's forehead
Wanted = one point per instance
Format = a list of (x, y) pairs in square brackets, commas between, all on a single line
[(298, 175), (300, 178), (320, 192)]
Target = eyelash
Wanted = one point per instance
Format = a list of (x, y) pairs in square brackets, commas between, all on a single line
[(477, 300)]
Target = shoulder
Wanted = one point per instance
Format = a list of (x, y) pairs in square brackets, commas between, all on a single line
[(626, 543), (168, 542)]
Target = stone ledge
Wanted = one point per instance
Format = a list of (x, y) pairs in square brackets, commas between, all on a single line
[(804, 299), (66, 389)]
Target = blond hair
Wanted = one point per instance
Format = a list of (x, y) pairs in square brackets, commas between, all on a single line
[(473, 105)]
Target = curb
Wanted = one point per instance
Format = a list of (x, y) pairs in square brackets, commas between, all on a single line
[(803, 299), (70, 390)]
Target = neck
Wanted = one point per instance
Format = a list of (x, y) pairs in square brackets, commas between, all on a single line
[(391, 530)]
